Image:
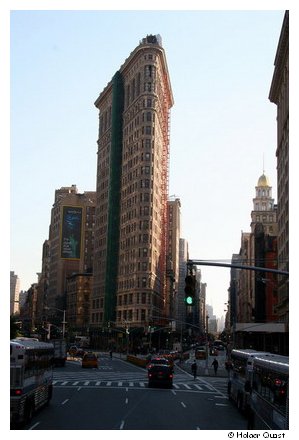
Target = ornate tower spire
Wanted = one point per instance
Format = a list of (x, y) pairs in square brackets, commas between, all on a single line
[(263, 204)]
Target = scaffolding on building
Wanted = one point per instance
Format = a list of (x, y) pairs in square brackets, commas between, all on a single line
[(165, 187)]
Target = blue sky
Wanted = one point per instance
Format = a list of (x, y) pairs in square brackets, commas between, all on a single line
[(222, 124)]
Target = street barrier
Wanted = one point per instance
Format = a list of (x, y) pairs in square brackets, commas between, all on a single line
[(137, 361)]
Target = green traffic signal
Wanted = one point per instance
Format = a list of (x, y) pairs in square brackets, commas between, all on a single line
[(189, 300), (190, 282)]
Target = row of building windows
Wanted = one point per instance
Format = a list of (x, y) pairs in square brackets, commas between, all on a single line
[(137, 84), (134, 110), (263, 206), (122, 316), (139, 298), (264, 218), (146, 116), (131, 268), (127, 315), (263, 193)]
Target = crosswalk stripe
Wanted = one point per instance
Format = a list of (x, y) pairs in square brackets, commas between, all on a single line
[(141, 384)]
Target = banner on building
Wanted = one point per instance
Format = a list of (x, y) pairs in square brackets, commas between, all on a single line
[(71, 232)]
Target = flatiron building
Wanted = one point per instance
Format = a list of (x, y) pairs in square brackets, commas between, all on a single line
[(132, 191)]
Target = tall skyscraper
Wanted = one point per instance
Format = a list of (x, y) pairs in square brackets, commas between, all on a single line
[(132, 190), (181, 305), (14, 293), (174, 235)]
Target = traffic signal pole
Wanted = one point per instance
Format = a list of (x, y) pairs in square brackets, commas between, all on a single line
[(236, 266)]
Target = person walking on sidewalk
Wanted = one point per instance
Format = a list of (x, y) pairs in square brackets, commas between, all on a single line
[(215, 365), (194, 369)]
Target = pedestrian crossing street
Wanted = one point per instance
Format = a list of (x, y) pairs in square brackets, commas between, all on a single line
[(95, 378)]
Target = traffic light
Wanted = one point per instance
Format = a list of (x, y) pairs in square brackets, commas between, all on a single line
[(190, 290)]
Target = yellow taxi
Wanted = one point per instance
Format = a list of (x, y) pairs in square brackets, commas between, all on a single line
[(90, 360)]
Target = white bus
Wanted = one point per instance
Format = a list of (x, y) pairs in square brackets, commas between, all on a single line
[(240, 378), (269, 400), (31, 364)]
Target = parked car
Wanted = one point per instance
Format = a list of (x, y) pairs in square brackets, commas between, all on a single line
[(90, 360), (160, 374)]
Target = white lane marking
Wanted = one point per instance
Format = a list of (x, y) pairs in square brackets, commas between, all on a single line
[(173, 392), (87, 382), (108, 384), (198, 387), (64, 383), (141, 384), (175, 385), (79, 389), (75, 383), (122, 424), (98, 382), (66, 400), (220, 404), (120, 384), (187, 386), (131, 384), (182, 403), (34, 426), (127, 400)]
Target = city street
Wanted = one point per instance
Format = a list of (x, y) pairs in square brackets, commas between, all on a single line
[(116, 396)]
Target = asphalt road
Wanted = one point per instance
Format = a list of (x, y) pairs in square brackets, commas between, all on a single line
[(116, 397)]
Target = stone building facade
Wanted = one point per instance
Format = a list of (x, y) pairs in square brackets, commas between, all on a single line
[(132, 191)]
